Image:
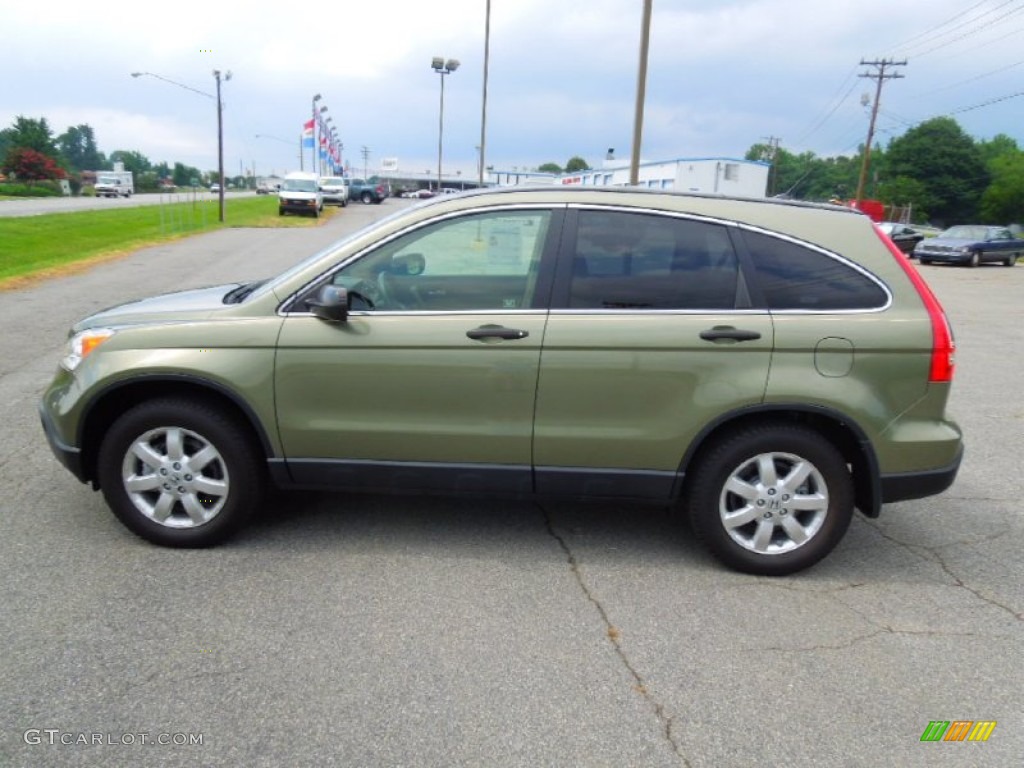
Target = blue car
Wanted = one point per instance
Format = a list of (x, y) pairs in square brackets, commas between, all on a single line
[(971, 244)]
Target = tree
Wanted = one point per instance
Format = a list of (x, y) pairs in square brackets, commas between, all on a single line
[(1003, 201), (998, 146), (27, 133), (947, 163), (134, 161), (576, 164), (550, 168), (30, 165), (185, 175), (77, 146)]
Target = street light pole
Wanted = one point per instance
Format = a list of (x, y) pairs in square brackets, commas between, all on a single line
[(641, 88), (312, 153), (483, 109), (442, 67), (220, 140)]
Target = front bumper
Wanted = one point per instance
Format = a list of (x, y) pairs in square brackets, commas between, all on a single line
[(954, 257), (67, 455)]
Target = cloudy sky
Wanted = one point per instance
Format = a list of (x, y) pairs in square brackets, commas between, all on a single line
[(723, 75)]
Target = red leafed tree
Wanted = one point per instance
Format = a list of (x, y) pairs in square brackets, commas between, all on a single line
[(28, 165)]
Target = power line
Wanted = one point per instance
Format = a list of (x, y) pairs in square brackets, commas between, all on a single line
[(939, 43)]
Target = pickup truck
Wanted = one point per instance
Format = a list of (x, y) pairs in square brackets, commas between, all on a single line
[(366, 191)]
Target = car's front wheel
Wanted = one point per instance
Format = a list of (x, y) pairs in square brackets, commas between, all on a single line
[(770, 499), (179, 473), (975, 259)]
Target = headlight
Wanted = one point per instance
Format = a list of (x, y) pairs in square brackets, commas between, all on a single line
[(82, 344)]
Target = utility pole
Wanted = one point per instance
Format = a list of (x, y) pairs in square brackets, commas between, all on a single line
[(880, 76)]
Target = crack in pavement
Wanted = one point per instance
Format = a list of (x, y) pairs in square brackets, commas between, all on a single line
[(935, 556), (615, 638)]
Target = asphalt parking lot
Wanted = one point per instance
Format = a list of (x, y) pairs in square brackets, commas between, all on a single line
[(363, 630)]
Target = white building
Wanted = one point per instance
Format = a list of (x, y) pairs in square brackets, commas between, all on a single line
[(710, 175)]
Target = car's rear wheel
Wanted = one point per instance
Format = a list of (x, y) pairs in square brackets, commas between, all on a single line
[(770, 499), (367, 198), (1011, 260), (179, 473)]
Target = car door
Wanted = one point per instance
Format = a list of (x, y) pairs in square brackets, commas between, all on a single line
[(431, 380), (651, 337)]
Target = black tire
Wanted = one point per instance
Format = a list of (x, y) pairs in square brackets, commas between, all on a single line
[(173, 502), (974, 260), (1011, 260), (924, 261), (367, 198), (817, 502), (280, 211)]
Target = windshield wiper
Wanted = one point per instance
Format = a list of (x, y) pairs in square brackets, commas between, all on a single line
[(238, 295)]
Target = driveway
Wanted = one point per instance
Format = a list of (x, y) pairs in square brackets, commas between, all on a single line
[(364, 630)]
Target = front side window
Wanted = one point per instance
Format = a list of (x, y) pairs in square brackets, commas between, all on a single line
[(792, 276), (487, 261), (644, 261)]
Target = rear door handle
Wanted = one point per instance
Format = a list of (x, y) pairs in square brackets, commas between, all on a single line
[(728, 333), (496, 332)]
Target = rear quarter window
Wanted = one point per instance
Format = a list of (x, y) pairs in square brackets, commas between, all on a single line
[(793, 276)]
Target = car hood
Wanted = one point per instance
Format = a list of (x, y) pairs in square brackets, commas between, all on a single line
[(180, 306), (947, 242)]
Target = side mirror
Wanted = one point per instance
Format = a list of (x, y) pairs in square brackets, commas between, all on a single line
[(330, 304)]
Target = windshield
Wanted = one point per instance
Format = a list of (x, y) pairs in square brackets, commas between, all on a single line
[(299, 185), (107, 180), (302, 265), (965, 233)]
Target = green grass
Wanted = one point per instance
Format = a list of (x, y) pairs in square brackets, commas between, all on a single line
[(34, 246)]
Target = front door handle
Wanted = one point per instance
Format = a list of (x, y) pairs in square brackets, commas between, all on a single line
[(728, 333), (496, 332)]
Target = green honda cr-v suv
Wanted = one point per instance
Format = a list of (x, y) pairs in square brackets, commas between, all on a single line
[(764, 366)]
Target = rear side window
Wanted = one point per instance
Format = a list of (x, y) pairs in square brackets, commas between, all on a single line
[(792, 276), (648, 261)]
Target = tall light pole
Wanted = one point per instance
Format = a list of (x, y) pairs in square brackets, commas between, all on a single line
[(442, 67), (641, 90), (220, 139), (312, 154), (483, 109)]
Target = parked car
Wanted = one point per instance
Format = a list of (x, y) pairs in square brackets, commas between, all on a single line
[(335, 190), (905, 237), (765, 367), (971, 244), (215, 188)]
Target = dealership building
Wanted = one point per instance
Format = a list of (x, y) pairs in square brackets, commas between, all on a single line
[(709, 175)]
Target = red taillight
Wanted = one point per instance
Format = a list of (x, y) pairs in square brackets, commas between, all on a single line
[(943, 345)]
